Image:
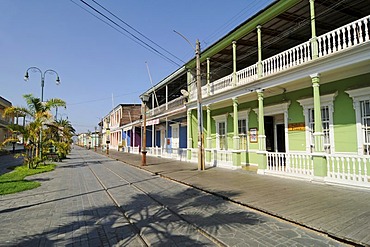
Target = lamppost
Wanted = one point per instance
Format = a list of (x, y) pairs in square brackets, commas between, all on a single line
[(201, 165), (144, 99), (95, 139), (26, 77), (14, 140), (108, 133)]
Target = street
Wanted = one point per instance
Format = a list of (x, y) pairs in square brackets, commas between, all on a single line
[(93, 200)]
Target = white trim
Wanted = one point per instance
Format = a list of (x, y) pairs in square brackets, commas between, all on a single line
[(220, 119), (175, 140), (358, 95), (127, 128), (308, 103), (274, 109), (326, 100), (278, 109), (244, 115), (241, 114)]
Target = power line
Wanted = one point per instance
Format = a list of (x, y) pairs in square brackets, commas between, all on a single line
[(252, 7), (107, 23), (103, 99), (168, 52), (300, 23), (130, 36), (134, 36)]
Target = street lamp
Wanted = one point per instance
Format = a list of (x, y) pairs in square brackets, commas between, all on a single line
[(26, 77), (108, 133), (95, 139), (144, 99), (14, 140), (201, 165), (50, 71)]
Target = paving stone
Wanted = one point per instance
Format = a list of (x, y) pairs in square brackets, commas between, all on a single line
[(71, 208)]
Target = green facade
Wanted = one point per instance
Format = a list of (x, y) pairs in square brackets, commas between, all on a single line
[(345, 135)]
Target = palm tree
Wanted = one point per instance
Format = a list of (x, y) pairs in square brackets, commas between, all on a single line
[(39, 113), (60, 133)]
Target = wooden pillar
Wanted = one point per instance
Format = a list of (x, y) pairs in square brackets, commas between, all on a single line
[(234, 64), (259, 51)]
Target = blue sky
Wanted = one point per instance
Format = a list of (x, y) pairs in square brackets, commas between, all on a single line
[(95, 61)]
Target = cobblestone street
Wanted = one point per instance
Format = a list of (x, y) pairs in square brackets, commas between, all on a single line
[(92, 200)]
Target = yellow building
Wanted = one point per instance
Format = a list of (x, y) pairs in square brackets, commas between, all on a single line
[(4, 122)]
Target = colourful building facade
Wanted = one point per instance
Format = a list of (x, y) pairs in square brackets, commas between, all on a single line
[(286, 92)]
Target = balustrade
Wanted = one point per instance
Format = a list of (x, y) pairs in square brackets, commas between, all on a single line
[(170, 105), (222, 157), (350, 35), (293, 57), (348, 169), (294, 164), (247, 75), (347, 36)]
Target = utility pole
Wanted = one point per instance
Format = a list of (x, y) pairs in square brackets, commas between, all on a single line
[(201, 165)]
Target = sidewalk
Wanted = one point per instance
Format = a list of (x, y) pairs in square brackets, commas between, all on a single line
[(340, 212), (7, 161)]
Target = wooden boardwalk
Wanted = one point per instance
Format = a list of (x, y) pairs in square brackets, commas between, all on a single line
[(341, 212)]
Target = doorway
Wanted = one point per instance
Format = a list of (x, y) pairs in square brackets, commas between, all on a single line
[(280, 138), (269, 132), (275, 133)]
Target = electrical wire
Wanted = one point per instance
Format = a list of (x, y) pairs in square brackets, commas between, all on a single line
[(128, 34), (138, 32), (131, 34), (252, 8), (300, 23), (103, 99)]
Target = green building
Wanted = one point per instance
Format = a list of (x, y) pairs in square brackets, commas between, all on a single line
[(286, 92)]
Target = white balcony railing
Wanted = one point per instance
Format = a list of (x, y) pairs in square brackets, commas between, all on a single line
[(221, 84), (293, 57), (299, 165), (136, 150), (246, 75), (221, 158), (178, 102), (350, 35), (347, 169)]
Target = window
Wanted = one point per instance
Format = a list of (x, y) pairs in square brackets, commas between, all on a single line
[(365, 122), (221, 131), (361, 104), (327, 109), (175, 135), (242, 130), (222, 135), (325, 127)]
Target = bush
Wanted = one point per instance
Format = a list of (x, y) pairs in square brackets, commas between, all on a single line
[(62, 149)]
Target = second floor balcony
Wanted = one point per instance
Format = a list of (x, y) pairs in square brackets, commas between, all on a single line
[(347, 37), (169, 106)]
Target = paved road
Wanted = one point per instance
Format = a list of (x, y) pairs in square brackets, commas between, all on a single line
[(341, 212), (7, 161), (92, 200)]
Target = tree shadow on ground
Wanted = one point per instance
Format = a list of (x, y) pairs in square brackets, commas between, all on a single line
[(164, 220), (38, 179), (164, 213)]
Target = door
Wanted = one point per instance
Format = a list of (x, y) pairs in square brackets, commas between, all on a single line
[(175, 136), (280, 138), (163, 139), (269, 132)]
